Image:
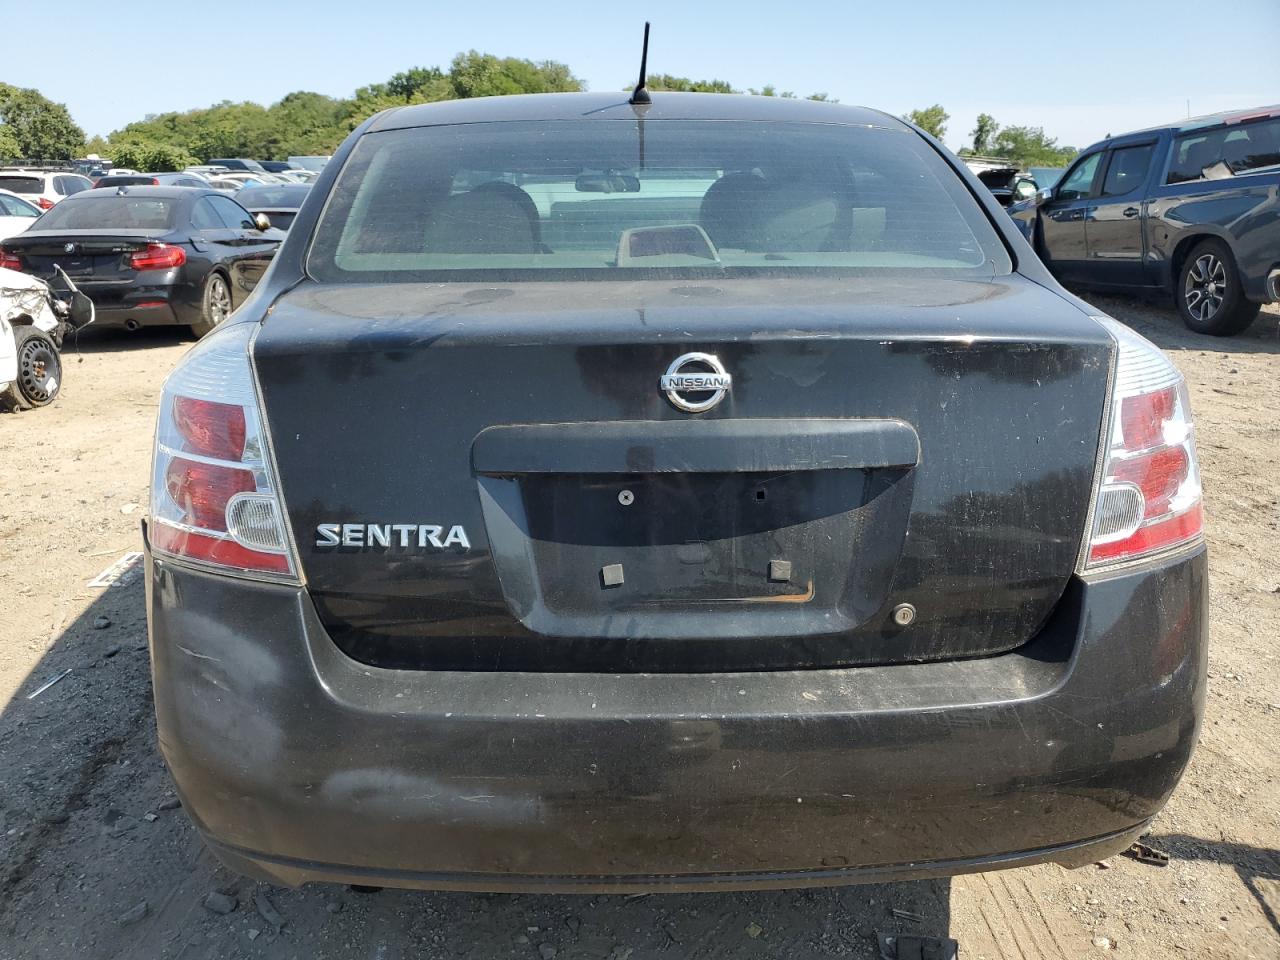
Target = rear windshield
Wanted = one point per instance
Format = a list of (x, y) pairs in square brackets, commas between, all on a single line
[(599, 199), (116, 213), (22, 184), (126, 180), (263, 197)]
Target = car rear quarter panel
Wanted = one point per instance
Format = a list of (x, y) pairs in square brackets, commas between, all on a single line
[(1244, 212)]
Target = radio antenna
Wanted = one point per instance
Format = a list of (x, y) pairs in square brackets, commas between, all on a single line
[(641, 93)]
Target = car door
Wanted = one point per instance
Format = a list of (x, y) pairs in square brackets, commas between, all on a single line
[(213, 239), (1063, 245), (254, 247), (1114, 224)]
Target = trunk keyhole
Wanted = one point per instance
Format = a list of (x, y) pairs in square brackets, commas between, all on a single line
[(760, 494)]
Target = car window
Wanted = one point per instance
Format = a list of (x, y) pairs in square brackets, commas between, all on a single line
[(580, 200), (1079, 181), (1024, 189), (76, 184), (112, 211), (1225, 151), (31, 185), (204, 217), (231, 213), (13, 207), (1127, 169)]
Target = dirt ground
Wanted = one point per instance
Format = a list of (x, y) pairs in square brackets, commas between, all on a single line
[(96, 859)]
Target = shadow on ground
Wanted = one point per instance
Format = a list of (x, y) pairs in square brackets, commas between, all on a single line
[(1257, 867), (89, 832), (96, 339)]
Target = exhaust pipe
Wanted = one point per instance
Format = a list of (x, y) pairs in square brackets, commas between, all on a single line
[(132, 325)]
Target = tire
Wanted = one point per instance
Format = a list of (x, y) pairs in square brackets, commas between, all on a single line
[(1209, 294), (39, 370), (215, 304)]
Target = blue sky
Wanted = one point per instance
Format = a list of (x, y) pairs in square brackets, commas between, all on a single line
[(1079, 69)]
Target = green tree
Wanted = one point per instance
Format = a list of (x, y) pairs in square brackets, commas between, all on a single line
[(35, 127), (931, 119), (1029, 147), (474, 74), (9, 149), (984, 132), (666, 81), (150, 157), (98, 145)]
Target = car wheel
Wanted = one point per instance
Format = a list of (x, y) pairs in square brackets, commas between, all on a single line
[(39, 370), (1209, 294), (215, 304)]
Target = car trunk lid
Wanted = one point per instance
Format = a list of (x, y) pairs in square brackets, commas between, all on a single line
[(83, 254), (492, 478)]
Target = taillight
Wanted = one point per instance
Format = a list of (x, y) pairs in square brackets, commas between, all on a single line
[(44, 203), (10, 261), (214, 498), (158, 256), (1148, 498)]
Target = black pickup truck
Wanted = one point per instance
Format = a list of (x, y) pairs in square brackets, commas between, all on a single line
[(1189, 210)]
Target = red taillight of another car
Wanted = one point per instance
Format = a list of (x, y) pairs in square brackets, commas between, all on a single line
[(158, 256), (214, 498), (44, 203), (1148, 500), (10, 261)]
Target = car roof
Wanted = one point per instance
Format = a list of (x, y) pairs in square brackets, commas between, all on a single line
[(614, 106), (1206, 121)]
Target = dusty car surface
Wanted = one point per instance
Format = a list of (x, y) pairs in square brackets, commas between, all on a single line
[(705, 494)]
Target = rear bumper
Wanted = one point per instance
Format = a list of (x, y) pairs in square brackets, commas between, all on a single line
[(300, 764), (142, 305)]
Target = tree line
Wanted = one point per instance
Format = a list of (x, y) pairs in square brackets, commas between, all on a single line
[(34, 128), (1024, 146)]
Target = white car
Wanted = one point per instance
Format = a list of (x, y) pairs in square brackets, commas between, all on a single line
[(34, 316), (44, 188), (297, 176), (16, 214)]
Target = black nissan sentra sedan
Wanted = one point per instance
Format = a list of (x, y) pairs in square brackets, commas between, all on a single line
[(150, 255), (709, 494)]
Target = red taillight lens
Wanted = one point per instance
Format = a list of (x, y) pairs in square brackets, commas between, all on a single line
[(214, 498), (44, 203), (158, 256), (215, 550), (10, 261), (210, 428), (203, 490), (1149, 498)]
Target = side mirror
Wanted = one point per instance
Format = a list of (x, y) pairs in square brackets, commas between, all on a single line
[(1044, 195), (261, 221)]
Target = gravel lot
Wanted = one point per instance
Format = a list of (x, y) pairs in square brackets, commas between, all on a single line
[(87, 837)]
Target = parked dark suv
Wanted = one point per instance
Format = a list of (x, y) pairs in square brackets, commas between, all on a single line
[(1189, 209), (706, 493)]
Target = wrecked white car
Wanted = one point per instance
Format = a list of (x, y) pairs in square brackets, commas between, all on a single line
[(34, 318)]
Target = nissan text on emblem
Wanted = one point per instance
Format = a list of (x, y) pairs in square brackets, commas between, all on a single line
[(695, 382)]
